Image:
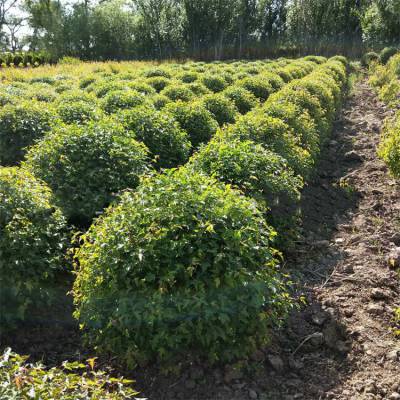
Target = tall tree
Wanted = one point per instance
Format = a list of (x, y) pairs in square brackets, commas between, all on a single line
[(159, 26)]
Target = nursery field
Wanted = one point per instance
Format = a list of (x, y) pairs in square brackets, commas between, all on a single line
[(196, 227)]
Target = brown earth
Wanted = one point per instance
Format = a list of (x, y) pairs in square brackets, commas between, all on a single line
[(341, 344)]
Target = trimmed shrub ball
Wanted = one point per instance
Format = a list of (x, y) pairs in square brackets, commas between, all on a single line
[(368, 58), (302, 98), (214, 82), (86, 166), (274, 135), (299, 121), (142, 87), (223, 109), (243, 99), (78, 112), (158, 82), (32, 244), (258, 86), (255, 170), (183, 266), (20, 126), (178, 92), (195, 119), (122, 99), (159, 101), (160, 132), (387, 53)]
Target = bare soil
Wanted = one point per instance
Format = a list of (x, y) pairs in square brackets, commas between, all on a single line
[(340, 345)]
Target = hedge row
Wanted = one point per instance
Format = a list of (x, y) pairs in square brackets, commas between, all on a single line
[(207, 101), (292, 124), (185, 264), (387, 81), (92, 143), (25, 59), (79, 158)]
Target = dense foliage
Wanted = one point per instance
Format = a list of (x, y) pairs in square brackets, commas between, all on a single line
[(32, 243), (25, 59), (390, 146), (118, 29), (182, 261), (182, 264), (387, 81), (87, 165), (21, 380), (20, 125)]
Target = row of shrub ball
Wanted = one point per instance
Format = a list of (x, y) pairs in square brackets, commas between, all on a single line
[(25, 59), (387, 81), (183, 261)]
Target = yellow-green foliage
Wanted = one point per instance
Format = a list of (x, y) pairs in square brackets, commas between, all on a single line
[(21, 380), (32, 242), (183, 262), (389, 148), (386, 78), (387, 81)]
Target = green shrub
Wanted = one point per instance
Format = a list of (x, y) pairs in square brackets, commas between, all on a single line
[(256, 171), (178, 92), (341, 59), (337, 70), (306, 101), (243, 99), (122, 99), (142, 87), (275, 135), (390, 93), (74, 381), (182, 266), (157, 72), (258, 86), (222, 108), (43, 93), (188, 77), (103, 87), (86, 81), (369, 58), (273, 79), (20, 125), (78, 112), (87, 165), (73, 95), (389, 149), (332, 83), (198, 88), (161, 133), (316, 59), (299, 121), (386, 54), (158, 82), (160, 101), (318, 90), (195, 119), (214, 82), (6, 98), (67, 60), (284, 74), (32, 242)]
